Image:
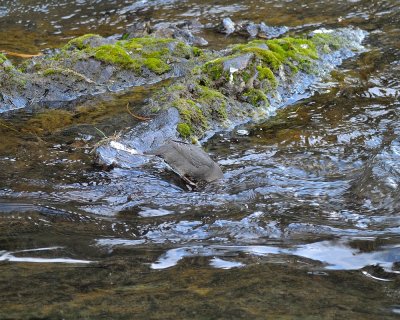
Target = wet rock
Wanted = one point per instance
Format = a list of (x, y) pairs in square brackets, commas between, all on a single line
[(189, 161), (139, 30), (227, 26), (238, 62), (251, 29), (143, 138), (158, 138), (188, 37), (269, 32), (184, 31)]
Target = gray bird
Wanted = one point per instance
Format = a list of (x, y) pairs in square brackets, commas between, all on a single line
[(190, 162)]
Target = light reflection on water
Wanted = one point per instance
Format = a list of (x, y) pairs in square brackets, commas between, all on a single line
[(335, 255)]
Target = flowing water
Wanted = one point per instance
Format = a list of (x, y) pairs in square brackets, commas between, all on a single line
[(305, 223)]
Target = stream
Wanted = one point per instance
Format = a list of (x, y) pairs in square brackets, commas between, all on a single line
[(305, 223)]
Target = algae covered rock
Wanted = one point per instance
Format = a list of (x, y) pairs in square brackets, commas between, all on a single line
[(90, 65)]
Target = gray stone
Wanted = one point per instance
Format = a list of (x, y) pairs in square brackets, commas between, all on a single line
[(271, 32), (240, 62), (228, 26), (252, 29)]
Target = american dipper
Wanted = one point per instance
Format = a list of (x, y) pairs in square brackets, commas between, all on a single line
[(190, 162)]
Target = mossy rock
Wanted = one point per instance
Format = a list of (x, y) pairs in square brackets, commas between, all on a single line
[(134, 54), (214, 101), (83, 42), (192, 115), (256, 97), (265, 73), (116, 55)]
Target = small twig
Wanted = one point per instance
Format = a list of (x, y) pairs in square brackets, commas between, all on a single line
[(136, 116), (20, 55), (104, 135), (10, 128)]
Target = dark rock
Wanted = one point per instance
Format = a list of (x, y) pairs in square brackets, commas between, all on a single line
[(213, 99), (184, 32), (190, 39), (139, 30)]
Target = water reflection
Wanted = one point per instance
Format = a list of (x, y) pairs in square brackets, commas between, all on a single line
[(311, 193), (335, 255)]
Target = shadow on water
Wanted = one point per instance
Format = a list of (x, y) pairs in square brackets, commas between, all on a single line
[(304, 224)]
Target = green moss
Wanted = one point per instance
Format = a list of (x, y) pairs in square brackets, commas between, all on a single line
[(184, 130), (81, 42), (214, 69), (197, 52), (3, 58), (192, 114), (222, 111), (267, 56), (256, 97), (326, 42), (266, 73), (52, 71), (183, 50), (147, 47), (176, 88), (146, 41), (213, 100), (152, 53), (294, 47), (296, 53), (197, 70), (131, 44), (9, 68), (159, 54), (116, 55), (156, 65), (208, 94)]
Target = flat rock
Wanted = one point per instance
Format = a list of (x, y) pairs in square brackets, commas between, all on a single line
[(240, 62)]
